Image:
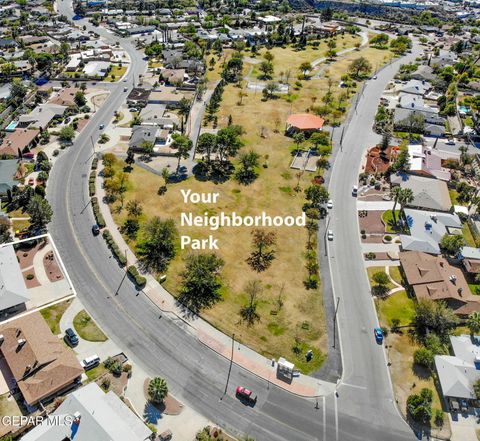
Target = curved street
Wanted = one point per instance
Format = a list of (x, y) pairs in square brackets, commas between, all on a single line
[(364, 408)]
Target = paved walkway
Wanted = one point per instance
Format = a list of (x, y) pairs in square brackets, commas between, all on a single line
[(302, 385), (381, 247), (386, 263)]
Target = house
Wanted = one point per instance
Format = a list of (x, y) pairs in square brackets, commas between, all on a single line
[(20, 140), (304, 122), (427, 229), (152, 112), (433, 278), (160, 139), (41, 116), (41, 365), (91, 414), (66, 97), (416, 87), (138, 96), (425, 162), (173, 77), (8, 170), (96, 69), (401, 120), (13, 291), (470, 258), (457, 373), (6, 43), (414, 102), (428, 193), (423, 73), (169, 96)]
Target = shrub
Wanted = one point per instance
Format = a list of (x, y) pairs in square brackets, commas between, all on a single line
[(30, 276), (139, 279), (117, 253), (106, 383), (127, 368), (95, 163), (56, 152), (423, 357), (438, 417), (387, 238), (311, 282)]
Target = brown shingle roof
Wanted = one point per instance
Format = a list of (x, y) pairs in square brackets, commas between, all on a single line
[(40, 363), (19, 139), (472, 265), (65, 97), (432, 277)]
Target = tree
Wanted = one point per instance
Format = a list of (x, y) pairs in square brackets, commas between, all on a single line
[(80, 99), (316, 195), (402, 162), (201, 280), (269, 90), (184, 111), (320, 139), (182, 144), (382, 281), (156, 247), (130, 159), (473, 323), (157, 390), (206, 145), (266, 68), (134, 208), (17, 90), (405, 197), (40, 212), (360, 66), (423, 357), (66, 134), (249, 312), (385, 143), (228, 142), (147, 147), (305, 67), (434, 316), (420, 406), (263, 255), (451, 244), (463, 149), (268, 56), (248, 164), (476, 389)]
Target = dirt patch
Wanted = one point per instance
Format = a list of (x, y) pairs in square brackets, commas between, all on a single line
[(373, 239), (378, 256), (117, 384), (170, 405), (81, 124), (26, 253), (30, 282), (51, 267), (99, 99), (371, 221)]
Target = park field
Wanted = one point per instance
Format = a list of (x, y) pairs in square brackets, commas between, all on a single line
[(292, 318)]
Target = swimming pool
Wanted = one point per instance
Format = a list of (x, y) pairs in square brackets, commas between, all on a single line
[(12, 126)]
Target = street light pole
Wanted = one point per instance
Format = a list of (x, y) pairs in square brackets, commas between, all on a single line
[(230, 368), (335, 322), (124, 276)]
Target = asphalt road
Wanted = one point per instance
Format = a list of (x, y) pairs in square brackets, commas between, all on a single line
[(197, 375)]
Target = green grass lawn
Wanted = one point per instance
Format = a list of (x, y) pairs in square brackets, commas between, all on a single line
[(53, 315), (396, 275), (86, 327), (116, 73), (19, 225), (93, 374), (454, 196), (387, 218), (376, 269), (399, 306), (468, 236)]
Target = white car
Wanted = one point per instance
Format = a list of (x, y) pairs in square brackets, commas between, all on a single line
[(330, 235), (330, 204), (354, 190), (374, 77), (450, 142)]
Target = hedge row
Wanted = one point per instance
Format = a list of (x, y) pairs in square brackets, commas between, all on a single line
[(139, 279), (114, 247), (91, 183), (95, 163), (96, 212)]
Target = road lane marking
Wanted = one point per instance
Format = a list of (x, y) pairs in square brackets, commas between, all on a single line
[(353, 385)]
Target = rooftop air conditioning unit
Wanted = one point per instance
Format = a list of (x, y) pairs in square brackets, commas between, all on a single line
[(21, 341)]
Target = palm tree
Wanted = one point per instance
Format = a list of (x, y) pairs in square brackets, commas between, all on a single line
[(473, 323), (406, 196), (157, 390), (183, 110), (395, 194), (463, 149)]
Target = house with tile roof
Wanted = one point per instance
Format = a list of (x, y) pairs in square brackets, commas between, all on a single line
[(13, 291)]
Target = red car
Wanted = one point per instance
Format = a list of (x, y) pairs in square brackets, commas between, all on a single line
[(245, 394)]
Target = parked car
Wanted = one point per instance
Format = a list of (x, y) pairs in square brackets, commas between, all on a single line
[(125, 89), (330, 204), (378, 335), (70, 337), (101, 126), (374, 77), (330, 235), (245, 394), (90, 362), (355, 190), (95, 230), (165, 436)]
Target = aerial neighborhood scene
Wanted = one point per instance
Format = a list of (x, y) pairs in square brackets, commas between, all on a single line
[(250, 220)]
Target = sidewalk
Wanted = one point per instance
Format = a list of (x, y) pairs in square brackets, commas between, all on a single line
[(244, 357)]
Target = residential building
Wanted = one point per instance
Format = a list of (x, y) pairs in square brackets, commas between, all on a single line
[(458, 373), (96, 69), (470, 258), (433, 278), (66, 97), (427, 229), (20, 140), (173, 77), (91, 414), (13, 291), (41, 116), (168, 96), (138, 96), (415, 87), (425, 162), (8, 170), (41, 365), (160, 139), (428, 193)]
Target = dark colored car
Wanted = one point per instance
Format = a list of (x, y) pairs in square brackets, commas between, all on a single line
[(95, 230), (70, 337)]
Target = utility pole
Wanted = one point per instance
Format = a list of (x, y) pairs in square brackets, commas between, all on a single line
[(124, 276), (335, 321), (325, 235), (230, 368)]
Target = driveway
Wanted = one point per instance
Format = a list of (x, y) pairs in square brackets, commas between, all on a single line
[(375, 205)]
